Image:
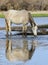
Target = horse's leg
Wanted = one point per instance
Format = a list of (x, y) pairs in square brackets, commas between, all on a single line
[(6, 27), (9, 23), (24, 29)]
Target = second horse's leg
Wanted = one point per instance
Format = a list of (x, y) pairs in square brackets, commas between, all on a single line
[(24, 30), (7, 28)]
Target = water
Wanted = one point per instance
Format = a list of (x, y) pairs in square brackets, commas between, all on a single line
[(37, 47), (41, 20)]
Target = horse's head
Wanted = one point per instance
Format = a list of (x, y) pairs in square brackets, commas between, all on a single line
[(33, 24), (34, 29)]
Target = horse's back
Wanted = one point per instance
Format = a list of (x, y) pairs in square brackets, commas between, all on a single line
[(17, 12), (18, 16)]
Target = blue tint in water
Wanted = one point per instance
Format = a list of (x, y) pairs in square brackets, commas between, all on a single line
[(38, 20), (2, 22), (40, 55), (41, 20)]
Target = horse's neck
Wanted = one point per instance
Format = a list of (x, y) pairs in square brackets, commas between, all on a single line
[(32, 20)]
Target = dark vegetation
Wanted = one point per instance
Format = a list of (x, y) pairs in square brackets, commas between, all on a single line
[(24, 4)]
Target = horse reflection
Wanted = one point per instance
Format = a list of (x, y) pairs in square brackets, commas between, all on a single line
[(18, 53)]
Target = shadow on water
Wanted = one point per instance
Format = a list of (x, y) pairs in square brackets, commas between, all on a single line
[(19, 50)]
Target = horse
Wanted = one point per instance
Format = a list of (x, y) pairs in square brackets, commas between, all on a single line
[(19, 53), (19, 17)]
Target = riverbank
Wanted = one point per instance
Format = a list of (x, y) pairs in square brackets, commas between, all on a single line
[(39, 13), (34, 14)]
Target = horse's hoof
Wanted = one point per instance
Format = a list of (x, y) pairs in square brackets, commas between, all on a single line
[(35, 35), (7, 35), (24, 35)]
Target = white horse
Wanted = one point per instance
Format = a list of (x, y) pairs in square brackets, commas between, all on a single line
[(19, 53), (19, 17)]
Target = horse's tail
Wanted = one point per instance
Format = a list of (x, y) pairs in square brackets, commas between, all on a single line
[(31, 20)]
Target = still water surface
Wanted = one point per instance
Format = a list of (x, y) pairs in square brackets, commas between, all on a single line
[(17, 50)]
